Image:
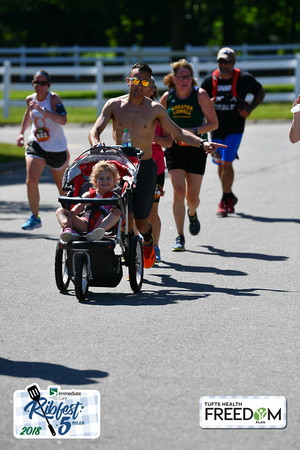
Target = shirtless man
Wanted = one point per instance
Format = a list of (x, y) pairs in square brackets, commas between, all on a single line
[(139, 114)]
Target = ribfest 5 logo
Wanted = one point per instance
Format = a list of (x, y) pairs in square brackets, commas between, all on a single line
[(56, 413)]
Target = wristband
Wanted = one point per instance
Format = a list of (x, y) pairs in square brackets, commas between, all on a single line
[(195, 130), (202, 142)]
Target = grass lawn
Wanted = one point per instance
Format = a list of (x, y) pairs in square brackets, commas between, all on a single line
[(11, 153)]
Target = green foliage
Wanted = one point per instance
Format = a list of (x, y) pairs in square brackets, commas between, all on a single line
[(163, 22)]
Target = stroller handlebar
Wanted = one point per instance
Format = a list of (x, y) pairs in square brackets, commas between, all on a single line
[(129, 151), (94, 200)]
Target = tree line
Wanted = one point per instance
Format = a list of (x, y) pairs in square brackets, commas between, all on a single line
[(172, 23)]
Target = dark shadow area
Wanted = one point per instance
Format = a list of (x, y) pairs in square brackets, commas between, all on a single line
[(168, 290), (199, 269), (243, 255), (55, 373), (17, 175), (13, 173), (146, 297), (26, 235), (11, 208), (266, 219)]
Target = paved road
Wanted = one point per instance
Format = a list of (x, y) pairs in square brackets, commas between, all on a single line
[(221, 318)]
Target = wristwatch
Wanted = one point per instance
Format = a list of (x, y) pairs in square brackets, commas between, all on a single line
[(195, 130), (202, 142)]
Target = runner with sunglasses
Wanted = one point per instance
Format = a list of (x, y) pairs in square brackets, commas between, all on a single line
[(46, 144), (139, 114), (189, 107), (228, 88)]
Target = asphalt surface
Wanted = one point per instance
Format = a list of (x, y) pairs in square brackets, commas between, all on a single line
[(221, 318)]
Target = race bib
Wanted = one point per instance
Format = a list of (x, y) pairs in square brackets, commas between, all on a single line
[(42, 134), (159, 192)]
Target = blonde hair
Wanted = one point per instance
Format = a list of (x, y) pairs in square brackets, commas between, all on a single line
[(176, 66), (101, 166)]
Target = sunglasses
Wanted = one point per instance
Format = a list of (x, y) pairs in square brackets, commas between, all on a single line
[(183, 77), (136, 82), (224, 61), (42, 83)]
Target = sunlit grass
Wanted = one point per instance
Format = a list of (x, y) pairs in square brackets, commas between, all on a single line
[(11, 153)]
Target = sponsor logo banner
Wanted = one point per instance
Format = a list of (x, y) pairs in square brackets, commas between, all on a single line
[(56, 413), (242, 412)]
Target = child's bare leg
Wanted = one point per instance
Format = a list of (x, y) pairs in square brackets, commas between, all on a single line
[(78, 224), (61, 215), (108, 222)]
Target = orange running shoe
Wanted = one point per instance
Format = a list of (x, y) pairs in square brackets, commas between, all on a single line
[(149, 255)]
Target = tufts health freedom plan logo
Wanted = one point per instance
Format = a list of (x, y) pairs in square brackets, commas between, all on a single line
[(242, 412)]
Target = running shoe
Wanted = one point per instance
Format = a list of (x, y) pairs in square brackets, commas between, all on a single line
[(32, 223), (216, 158), (223, 209), (194, 226), (149, 255), (231, 202), (179, 244), (95, 235), (157, 254), (68, 235)]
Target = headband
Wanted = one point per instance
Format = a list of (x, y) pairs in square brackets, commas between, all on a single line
[(41, 72)]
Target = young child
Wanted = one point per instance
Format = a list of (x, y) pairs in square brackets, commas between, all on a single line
[(104, 178)]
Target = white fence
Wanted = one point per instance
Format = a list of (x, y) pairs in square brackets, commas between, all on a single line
[(76, 55), (113, 78)]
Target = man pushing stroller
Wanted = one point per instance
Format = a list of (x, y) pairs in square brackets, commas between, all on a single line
[(139, 115)]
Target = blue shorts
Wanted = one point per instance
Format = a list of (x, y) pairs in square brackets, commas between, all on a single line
[(233, 142)]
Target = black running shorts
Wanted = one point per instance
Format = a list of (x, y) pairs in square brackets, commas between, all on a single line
[(143, 193), (56, 160), (189, 159)]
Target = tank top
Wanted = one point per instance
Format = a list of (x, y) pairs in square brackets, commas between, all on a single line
[(185, 113), (46, 132), (158, 153)]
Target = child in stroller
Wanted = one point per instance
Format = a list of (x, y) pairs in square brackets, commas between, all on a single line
[(96, 219), (89, 258)]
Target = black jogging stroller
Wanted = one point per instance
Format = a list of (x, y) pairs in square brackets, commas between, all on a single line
[(100, 263)]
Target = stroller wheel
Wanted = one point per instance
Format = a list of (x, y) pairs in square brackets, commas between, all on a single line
[(136, 263), (81, 278), (62, 276)]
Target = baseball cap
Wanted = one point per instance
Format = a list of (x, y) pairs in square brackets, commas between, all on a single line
[(226, 53)]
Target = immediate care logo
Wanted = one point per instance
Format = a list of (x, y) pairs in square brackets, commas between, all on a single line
[(242, 412), (56, 413)]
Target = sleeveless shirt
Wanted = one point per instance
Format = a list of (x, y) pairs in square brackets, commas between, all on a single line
[(46, 132), (185, 113)]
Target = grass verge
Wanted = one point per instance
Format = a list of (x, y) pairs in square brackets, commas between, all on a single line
[(10, 153)]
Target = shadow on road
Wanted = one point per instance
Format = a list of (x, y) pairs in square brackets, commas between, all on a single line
[(26, 235), (267, 219), (55, 373), (169, 290), (246, 255), (17, 175)]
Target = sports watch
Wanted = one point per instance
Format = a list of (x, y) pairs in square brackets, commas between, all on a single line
[(202, 142)]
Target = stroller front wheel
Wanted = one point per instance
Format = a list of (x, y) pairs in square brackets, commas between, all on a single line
[(62, 276), (81, 278), (136, 263)]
